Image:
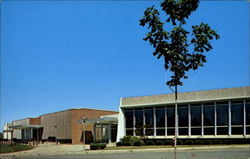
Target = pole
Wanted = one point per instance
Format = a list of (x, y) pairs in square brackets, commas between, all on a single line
[(83, 135), (176, 124)]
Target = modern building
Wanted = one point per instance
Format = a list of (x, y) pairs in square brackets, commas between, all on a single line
[(64, 126), (220, 113)]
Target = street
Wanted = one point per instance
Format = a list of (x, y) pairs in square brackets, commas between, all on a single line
[(190, 154)]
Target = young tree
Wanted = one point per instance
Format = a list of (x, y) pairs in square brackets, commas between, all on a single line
[(182, 50)]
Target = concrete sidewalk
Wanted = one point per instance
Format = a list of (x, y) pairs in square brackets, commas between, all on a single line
[(66, 150)]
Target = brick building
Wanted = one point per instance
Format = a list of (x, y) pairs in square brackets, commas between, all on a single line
[(63, 125)]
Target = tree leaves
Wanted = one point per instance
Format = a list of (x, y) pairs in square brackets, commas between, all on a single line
[(180, 54)]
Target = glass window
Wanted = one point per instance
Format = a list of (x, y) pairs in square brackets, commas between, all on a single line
[(139, 117), (129, 118), (170, 116), (171, 131), (195, 131), (248, 130), (149, 132), (183, 116), (222, 130), (183, 131), (222, 114), (129, 132), (237, 130), (195, 115), (208, 113), (139, 131), (208, 131), (248, 113), (237, 113), (160, 116), (160, 132), (149, 118)]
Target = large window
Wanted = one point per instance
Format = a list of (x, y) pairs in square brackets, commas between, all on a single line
[(170, 120), (138, 121), (247, 116), (160, 120), (183, 119), (129, 119), (208, 116), (222, 118), (196, 119), (237, 117), (149, 121)]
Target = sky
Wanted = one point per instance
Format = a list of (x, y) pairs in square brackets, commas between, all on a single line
[(58, 55)]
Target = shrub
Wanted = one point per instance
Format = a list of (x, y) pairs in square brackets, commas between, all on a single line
[(217, 142), (189, 142), (179, 142), (102, 145), (198, 142), (159, 142), (207, 142), (119, 144), (149, 142), (6, 148), (168, 142), (227, 142), (97, 146), (127, 141), (135, 141), (94, 146)]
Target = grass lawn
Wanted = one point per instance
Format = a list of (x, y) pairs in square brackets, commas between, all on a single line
[(6, 148)]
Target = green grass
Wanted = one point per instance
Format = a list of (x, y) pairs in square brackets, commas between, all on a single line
[(7, 148)]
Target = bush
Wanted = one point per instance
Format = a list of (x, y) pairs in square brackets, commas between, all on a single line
[(149, 142), (217, 142), (189, 142), (6, 148), (131, 141), (227, 142), (102, 146), (159, 142), (168, 142), (97, 146), (119, 144), (94, 146), (179, 142), (127, 141), (198, 142), (207, 142)]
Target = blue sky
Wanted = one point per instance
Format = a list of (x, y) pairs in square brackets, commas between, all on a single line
[(60, 55)]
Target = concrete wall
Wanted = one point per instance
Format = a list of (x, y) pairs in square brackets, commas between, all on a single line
[(209, 95), (18, 133)]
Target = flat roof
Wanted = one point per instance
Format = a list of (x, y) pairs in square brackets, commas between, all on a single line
[(188, 97), (25, 126)]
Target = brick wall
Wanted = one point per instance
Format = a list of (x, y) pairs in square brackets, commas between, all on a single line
[(77, 128)]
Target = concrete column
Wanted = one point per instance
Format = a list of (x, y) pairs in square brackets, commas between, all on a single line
[(215, 119), (229, 118), (101, 131), (109, 132), (244, 118), (202, 120), (189, 120), (94, 134), (166, 122), (154, 122), (134, 122), (144, 122)]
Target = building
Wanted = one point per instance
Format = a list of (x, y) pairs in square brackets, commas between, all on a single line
[(63, 126), (211, 114)]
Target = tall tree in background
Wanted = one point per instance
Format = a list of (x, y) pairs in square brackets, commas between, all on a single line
[(182, 50)]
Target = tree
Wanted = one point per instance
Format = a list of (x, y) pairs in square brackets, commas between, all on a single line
[(182, 50)]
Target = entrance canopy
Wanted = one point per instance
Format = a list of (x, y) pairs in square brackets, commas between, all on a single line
[(26, 126)]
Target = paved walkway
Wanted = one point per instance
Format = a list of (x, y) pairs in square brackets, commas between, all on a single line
[(64, 150)]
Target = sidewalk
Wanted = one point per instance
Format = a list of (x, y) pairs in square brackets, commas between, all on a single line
[(64, 150)]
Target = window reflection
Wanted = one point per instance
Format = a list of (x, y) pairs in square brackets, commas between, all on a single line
[(195, 115)]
